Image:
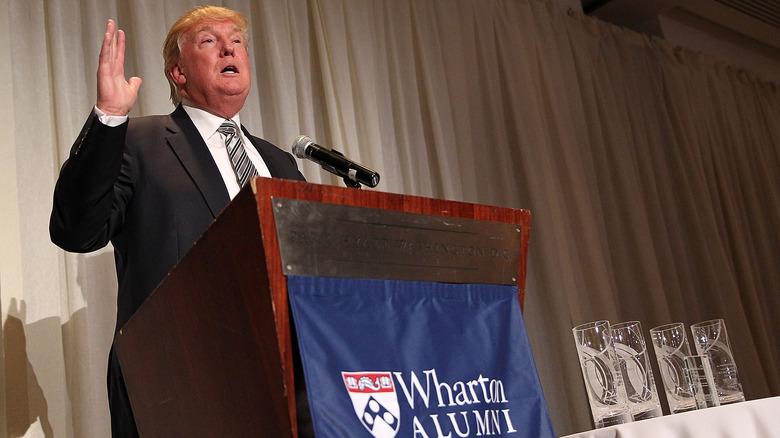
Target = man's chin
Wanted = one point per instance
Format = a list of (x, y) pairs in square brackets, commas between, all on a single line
[(234, 90)]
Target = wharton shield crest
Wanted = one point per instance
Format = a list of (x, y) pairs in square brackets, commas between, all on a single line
[(375, 401)]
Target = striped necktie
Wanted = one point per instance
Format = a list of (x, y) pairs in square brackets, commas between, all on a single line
[(242, 166)]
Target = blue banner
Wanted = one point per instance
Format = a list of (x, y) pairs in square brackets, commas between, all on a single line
[(390, 358)]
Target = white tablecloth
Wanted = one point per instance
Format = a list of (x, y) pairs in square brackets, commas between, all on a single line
[(756, 418)]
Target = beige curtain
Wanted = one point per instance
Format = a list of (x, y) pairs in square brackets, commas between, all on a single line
[(652, 173)]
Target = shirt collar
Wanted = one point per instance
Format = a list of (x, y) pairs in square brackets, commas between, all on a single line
[(204, 121)]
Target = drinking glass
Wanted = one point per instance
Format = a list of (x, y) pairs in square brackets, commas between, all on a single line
[(634, 365), (712, 340), (671, 348), (603, 382)]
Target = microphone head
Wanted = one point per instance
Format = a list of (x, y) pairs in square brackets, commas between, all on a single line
[(300, 144)]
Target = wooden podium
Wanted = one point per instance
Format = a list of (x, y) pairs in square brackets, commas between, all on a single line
[(210, 352)]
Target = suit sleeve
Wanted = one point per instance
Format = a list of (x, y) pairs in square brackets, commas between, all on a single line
[(93, 189)]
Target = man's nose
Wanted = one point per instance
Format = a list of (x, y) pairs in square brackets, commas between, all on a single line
[(228, 48)]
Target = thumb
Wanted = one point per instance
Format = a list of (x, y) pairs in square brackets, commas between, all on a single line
[(135, 83)]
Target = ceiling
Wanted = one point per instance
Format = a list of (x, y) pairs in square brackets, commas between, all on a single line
[(757, 19)]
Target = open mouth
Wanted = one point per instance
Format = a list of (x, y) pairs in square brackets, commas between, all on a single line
[(230, 69)]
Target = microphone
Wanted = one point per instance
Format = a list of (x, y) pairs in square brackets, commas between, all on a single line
[(335, 162)]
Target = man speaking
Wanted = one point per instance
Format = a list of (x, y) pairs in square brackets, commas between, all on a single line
[(152, 185)]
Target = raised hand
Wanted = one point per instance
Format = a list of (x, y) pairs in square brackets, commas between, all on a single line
[(115, 94)]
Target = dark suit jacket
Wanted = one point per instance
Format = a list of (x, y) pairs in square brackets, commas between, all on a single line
[(151, 188)]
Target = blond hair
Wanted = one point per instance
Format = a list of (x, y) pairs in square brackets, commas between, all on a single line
[(172, 45)]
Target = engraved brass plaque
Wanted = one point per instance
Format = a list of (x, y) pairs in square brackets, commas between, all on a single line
[(330, 240)]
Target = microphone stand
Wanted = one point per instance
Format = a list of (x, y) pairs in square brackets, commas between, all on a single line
[(351, 183)]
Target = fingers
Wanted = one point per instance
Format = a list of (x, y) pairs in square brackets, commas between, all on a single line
[(112, 52), (119, 52), (115, 94), (108, 42), (110, 31)]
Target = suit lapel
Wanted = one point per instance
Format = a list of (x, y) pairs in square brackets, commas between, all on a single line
[(260, 147), (189, 147)]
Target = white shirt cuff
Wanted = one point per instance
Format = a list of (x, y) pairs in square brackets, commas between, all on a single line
[(110, 121)]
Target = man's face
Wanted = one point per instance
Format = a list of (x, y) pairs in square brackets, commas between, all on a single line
[(213, 69)]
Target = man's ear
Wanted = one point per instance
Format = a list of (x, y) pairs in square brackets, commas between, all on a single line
[(177, 74)]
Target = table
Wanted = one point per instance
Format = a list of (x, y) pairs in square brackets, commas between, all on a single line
[(755, 418)]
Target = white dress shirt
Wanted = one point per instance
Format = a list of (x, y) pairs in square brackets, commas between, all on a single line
[(207, 125)]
